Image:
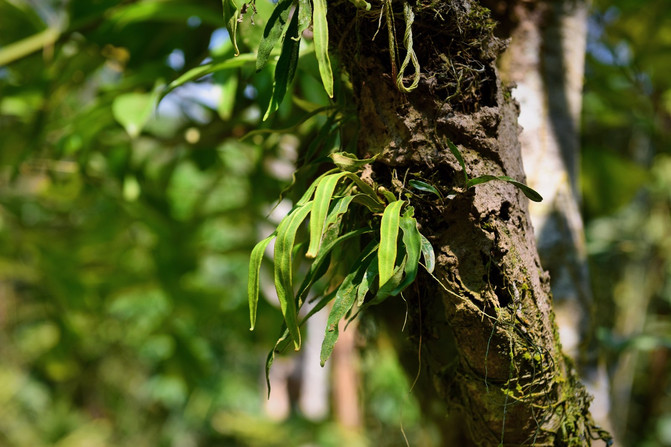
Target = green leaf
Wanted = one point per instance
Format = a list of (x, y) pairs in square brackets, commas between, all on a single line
[(457, 154), (529, 192), (275, 30), (320, 208), (321, 40), (304, 15), (375, 206), (253, 278), (24, 47), (334, 219), (280, 346), (388, 236), (363, 186), (203, 70), (344, 300), (315, 268), (286, 235), (231, 15), (349, 162), (425, 187), (311, 189), (362, 4), (133, 110), (412, 242), (428, 254), (367, 281), (286, 66)]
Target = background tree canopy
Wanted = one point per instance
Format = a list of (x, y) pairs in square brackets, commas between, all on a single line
[(127, 216)]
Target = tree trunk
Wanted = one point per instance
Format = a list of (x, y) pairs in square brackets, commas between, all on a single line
[(485, 322)]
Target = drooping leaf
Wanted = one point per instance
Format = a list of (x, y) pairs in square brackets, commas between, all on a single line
[(286, 66), (231, 11), (253, 278), (412, 242), (280, 346), (457, 154), (304, 15), (320, 208), (363, 186), (428, 254), (529, 192), (344, 300), (425, 187), (321, 40), (388, 238), (286, 235), (275, 30), (349, 162), (367, 281)]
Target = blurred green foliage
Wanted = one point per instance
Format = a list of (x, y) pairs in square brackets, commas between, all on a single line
[(126, 225), (627, 201)]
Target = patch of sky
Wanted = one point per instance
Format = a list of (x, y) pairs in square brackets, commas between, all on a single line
[(175, 59), (193, 21), (219, 37)]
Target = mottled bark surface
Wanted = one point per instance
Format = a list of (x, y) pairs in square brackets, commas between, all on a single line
[(489, 343)]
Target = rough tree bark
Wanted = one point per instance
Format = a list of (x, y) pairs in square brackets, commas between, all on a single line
[(489, 343)]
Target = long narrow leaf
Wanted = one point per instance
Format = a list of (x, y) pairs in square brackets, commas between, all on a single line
[(529, 192), (388, 236), (312, 274), (253, 279), (281, 344), (275, 30), (457, 154), (320, 208), (367, 282), (286, 66), (286, 235), (321, 39), (231, 14), (344, 300), (304, 15), (428, 254), (333, 223), (203, 70), (412, 242)]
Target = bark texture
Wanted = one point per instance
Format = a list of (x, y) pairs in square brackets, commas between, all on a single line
[(489, 344)]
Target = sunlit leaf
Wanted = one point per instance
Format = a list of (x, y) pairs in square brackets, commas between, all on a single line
[(428, 254), (349, 162), (388, 239), (412, 242), (286, 235), (231, 13), (275, 30), (320, 208), (253, 279), (321, 40)]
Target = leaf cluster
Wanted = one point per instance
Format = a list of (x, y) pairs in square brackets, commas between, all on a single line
[(384, 267)]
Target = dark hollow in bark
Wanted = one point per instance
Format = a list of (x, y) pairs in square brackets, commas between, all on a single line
[(489, 344)]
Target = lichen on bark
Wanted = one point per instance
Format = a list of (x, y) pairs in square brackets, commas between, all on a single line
[(489, 304)]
